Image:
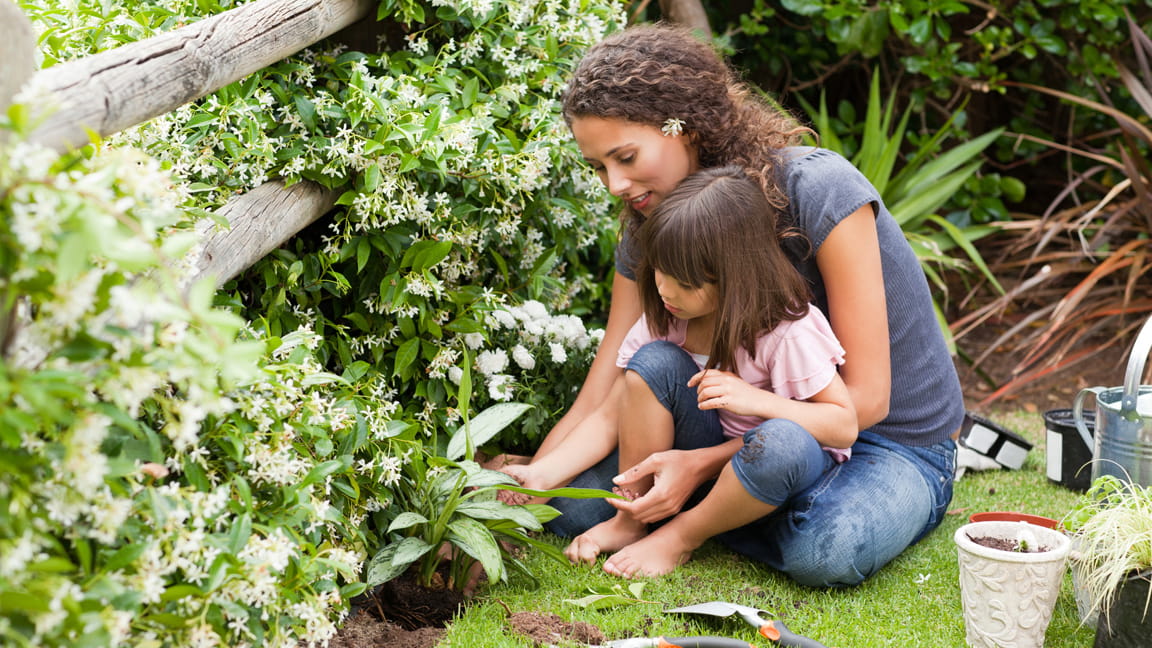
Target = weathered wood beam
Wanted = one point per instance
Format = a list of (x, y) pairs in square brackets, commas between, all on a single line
[(689, 13), (17, 65), (259, 222), (119, 88)]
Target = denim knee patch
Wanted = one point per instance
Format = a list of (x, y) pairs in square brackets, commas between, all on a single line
[(779, 459)]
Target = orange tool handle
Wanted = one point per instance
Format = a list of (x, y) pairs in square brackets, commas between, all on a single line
[(778, 632)]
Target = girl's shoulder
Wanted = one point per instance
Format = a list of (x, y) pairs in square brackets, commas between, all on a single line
[(813, 324)]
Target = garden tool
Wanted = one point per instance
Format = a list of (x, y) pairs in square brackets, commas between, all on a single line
[(672, 642), (771, 630)]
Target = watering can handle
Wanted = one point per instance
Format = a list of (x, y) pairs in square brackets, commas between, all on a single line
[(1136, 367), (1078, 415)]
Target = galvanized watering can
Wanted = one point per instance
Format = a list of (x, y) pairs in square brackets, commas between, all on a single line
[(1123, 444)]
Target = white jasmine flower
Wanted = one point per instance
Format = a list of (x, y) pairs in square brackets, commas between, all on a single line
[(474, 340), (672, 127)]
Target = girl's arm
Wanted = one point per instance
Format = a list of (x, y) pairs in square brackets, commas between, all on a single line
[(828, 415), (623, 312), (849, 263)]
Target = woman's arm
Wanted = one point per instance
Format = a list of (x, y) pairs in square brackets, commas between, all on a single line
[(849, 263), (623, 312)]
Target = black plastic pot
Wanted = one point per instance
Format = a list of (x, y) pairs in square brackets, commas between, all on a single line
[(1122, 625)]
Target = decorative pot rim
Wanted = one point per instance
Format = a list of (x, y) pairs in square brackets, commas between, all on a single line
[(1059, 544), (1013, 516)]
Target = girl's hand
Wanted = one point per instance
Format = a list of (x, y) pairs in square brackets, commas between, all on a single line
[(725, 390), (674, 482)]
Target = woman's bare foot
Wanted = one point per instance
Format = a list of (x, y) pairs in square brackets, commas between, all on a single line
[(610, 535), (656, 554)]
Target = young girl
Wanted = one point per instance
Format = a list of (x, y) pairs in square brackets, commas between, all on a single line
[(649, 106), (729, 353)]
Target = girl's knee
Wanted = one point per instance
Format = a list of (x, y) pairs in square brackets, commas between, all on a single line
[(780, 442), (778, 459)]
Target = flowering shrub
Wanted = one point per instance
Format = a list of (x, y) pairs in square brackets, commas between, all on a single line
[(169, 475), (175, 473), (462, 191)]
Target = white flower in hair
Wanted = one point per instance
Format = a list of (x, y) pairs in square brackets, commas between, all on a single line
[(672, 127)]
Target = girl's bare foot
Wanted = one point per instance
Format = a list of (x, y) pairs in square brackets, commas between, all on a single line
[(660, 552), (610, 535)]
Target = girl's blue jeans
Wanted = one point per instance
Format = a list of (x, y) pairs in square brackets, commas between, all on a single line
[(836, 525)]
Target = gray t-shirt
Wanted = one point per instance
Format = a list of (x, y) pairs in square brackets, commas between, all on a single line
[(926, 405)]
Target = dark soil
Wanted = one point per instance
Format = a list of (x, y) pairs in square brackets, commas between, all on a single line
[(365, 630), (1053, 391), (1004, 544), (412, 606), (544, 629)]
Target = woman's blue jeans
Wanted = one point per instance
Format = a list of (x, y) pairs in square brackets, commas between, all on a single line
[(836, 525)]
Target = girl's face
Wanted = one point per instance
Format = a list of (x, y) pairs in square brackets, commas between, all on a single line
[(684, 301), (637, 162)]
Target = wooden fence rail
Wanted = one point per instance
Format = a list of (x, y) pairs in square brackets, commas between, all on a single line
[(120, 88)]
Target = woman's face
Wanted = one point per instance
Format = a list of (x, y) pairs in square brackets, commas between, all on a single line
[(638, 163)]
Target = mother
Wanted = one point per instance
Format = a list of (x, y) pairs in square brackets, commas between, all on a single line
[(629, 93)]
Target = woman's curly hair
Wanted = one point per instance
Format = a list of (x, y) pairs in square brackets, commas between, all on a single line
[(648, 74)]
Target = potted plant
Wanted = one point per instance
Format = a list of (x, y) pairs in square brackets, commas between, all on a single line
[(1010, 577), (1112, 565)]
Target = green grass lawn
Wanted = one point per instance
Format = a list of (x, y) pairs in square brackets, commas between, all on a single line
[(914, 601)]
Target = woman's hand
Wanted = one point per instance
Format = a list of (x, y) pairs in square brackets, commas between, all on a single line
[(725, 390), (674, 481)]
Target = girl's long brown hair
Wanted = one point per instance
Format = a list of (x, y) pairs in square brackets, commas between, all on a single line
[(717, 227)]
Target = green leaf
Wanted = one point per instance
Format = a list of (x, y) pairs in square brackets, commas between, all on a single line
[(406, 355), (322, 470), (474, 539), (483, 427), (394, 559), (495, 510), (405, 520), (605, 597), (240, 533)]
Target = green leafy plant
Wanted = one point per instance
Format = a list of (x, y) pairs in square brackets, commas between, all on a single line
[(450, 514), (925, 182), (1112, 525)]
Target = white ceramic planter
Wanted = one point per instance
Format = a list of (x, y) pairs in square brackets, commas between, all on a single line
[(1008, 596)]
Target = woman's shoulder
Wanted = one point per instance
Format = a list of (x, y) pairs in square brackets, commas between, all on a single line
[(815, 163), (822, 188)]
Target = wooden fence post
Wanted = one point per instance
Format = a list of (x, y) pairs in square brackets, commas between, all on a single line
[(17, 65)]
